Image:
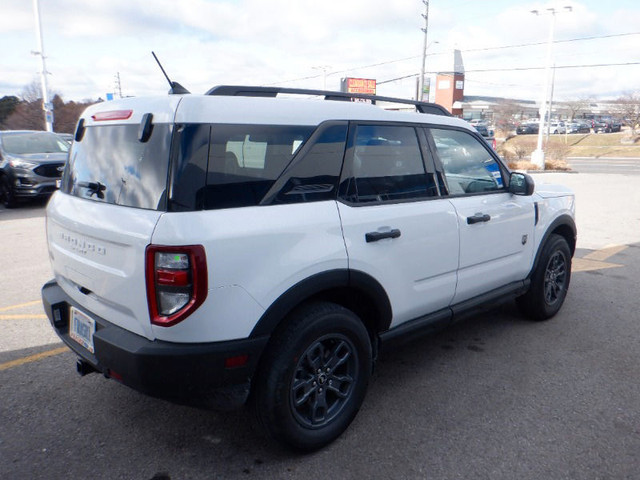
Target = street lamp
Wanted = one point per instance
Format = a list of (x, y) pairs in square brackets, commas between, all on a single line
[(324, 69), (425, 15), (46, 105), (537, 157)]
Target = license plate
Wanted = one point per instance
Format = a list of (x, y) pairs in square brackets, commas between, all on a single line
[(82, 328)]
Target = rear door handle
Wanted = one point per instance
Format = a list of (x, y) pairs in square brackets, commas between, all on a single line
[(375, 236), (478, 218)]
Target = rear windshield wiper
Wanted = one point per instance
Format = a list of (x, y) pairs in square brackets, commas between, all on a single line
[(94, 188)]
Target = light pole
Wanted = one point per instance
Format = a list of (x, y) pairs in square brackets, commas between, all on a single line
[(537, 157), (324, 69), (425, 15), (46, 106)]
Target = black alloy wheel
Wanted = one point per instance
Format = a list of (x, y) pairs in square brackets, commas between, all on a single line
[(7, 195), (323, 380), (313, 376), (555, 278), (549, 281)]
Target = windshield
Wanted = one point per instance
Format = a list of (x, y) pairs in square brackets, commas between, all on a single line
[(111, 165), (33, 142)]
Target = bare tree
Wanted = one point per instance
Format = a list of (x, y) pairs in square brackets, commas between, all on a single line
[(27, 113), (577, 106), (8, 105), (66, 114), (26, 116), (629, 110), (503, 115)]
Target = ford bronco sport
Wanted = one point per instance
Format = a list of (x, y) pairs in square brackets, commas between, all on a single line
[(242, 246)]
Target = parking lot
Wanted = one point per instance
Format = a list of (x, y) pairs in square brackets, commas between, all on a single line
[(494, 397)]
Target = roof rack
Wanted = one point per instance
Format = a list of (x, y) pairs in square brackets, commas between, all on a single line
[(247, 91)]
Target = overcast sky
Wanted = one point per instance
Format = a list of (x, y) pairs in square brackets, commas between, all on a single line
[(294, 43)]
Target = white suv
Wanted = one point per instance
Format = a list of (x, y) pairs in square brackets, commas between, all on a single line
[(242, 246)]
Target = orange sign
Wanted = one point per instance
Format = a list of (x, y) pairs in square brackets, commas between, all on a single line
[(359, 85)]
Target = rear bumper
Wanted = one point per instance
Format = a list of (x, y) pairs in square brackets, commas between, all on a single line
[(181, 372)]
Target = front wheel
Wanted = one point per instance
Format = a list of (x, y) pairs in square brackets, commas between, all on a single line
[(549, 282), (6, 193), (314, 376)]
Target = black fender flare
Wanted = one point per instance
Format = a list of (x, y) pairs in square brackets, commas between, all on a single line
[(316, 285), (566, 224)]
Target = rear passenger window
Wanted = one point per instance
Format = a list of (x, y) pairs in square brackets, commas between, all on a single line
[(314, 177), (468, 165), (245, 161), (386, 165)]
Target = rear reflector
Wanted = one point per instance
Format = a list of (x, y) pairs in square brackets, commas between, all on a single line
[(112, 115), (235, 362), (178, 278)]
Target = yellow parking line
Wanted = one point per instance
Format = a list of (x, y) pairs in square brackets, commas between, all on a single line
[(604, 253), (21, 316), (32, 358), (20, 305)]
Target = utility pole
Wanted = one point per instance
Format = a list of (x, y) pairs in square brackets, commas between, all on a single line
[(324, 69), (425, 15), (47, 107), (537, 156), (118, 84)]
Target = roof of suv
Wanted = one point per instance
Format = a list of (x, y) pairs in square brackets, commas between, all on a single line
[(263, 110)]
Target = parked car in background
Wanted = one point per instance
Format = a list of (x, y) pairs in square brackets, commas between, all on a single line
[(557, 127), (487, 133), (607, 125), (527, 128), (578, 127), (67, 137), (31, 162), (477, 121)]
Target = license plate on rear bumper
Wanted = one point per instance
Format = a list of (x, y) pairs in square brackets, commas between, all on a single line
[(81, 328)]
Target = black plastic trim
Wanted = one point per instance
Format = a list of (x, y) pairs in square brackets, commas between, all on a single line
[(562, 221), (439, 320), (296, 295), (321, 283), (250, 91), (181, 372)]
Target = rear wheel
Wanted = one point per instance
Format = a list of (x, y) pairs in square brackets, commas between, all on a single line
[(6, 193), (549, 282), (314, 376)]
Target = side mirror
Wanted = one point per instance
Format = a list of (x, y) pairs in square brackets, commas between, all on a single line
[(521, 184)]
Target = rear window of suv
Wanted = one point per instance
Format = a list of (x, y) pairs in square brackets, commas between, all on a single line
[(111, 165)]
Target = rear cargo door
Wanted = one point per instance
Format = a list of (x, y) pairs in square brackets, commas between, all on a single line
[(97, 253), (99, 224)]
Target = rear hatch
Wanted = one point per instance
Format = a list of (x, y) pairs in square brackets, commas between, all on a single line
[(112, 194)]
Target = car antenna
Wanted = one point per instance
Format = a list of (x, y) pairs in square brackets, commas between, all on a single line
[(176, 88)]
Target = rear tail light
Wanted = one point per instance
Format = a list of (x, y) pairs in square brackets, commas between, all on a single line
[(176, 282), (494, 144)]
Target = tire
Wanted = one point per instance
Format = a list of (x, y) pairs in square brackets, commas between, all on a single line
[(313, 376), (6, 193), (549, 282)]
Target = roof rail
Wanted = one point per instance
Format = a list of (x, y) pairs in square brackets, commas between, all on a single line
[(247, 91)]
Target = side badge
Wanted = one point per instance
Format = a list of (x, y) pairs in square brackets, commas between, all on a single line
[(524, 239)]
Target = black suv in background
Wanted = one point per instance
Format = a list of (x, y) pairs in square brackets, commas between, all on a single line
[(606, 125), (527, 129), (31, 162)]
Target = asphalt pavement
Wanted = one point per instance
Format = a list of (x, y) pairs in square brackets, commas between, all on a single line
[(493, 397)]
